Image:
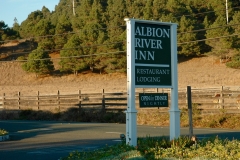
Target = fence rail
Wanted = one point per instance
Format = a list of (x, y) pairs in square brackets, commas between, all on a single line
[(205, 98)]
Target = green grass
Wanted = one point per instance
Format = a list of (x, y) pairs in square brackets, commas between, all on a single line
[(151, 148)]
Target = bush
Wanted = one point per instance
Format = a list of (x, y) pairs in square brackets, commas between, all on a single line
[(38, 62), (162, 148), (71, 114), (3, 132), (235, 62)]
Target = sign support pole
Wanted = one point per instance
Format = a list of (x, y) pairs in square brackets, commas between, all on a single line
[(174, 111), (131, 113)]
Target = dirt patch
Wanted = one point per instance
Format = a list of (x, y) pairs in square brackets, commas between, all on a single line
[(207, 72), (196, 72)]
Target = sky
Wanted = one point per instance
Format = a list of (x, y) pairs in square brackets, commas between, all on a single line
[(9, 9)]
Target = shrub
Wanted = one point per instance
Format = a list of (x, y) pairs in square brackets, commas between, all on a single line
[(163, 148), (3, 132), (38, 62), (71, 114), (235, 62)]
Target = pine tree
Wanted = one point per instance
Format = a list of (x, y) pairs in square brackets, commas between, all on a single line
[(42, 29), (72, 59), (116, 12), (7, 33), (189, 49), (136, 9), (94, 33), (38, 62), (46, 13), (148, 11), (63, 27), (158, 9), (16, 26), (234, 52), (27, 27), (3, 28), (236, 30), (82, 14), (220, 46)]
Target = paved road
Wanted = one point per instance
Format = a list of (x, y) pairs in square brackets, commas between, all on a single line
[(51, 140)]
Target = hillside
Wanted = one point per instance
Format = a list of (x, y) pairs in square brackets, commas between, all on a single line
[(197, 72)]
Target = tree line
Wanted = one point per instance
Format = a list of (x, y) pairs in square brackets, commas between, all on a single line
[(94, 27)]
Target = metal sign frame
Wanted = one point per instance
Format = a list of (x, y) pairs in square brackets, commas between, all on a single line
[(131, 113)]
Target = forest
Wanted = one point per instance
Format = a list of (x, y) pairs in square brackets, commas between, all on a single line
[(91, 34)]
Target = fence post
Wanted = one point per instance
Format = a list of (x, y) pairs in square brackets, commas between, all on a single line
[(221, 98), (58, 99), (3, 100), (189, 100), (19, 94), (103, 101), (38, 100), (79, 99)]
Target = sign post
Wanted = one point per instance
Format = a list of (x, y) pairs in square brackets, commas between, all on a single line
[(174, 110), (151, 63)]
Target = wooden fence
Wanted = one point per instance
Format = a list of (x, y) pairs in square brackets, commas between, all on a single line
[(227, 98), (59, 101), (213, 99)]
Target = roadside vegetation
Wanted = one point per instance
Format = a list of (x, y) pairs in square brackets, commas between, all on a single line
[(151, 148), (219, 119), (3, 132)]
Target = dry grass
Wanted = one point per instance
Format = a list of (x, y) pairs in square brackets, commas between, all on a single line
[(206, 72), (196, 72), (144, 117), (219, 120)]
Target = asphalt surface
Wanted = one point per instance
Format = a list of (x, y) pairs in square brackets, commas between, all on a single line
[(41, 140)]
